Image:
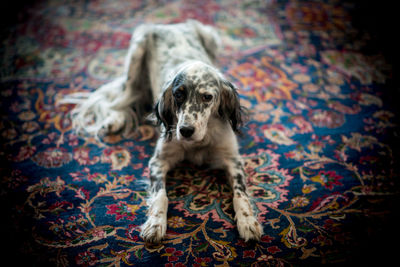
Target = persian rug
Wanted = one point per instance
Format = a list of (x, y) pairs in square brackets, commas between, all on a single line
[(320, 148)]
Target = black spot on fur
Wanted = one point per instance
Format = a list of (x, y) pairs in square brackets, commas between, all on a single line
[(195, 108), (212, 84), (241, 188), (239, 181), (206, 76), (156, 184)]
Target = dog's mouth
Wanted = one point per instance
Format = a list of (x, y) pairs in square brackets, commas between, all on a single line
[(186, 139), (194, 143), (191, 140)]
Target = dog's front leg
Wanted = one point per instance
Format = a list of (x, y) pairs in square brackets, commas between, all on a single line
[(246, 221), (153, 230)]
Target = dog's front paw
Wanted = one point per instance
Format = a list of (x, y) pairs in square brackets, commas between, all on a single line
[(248, 226), (153, 230)]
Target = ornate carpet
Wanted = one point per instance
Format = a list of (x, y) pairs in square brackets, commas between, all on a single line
[(320, 148)]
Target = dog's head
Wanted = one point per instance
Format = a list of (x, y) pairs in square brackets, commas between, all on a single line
[(197, 93)]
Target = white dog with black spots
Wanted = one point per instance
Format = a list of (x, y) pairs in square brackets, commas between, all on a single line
[(172, 68)]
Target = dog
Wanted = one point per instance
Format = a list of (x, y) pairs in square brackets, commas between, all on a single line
[(172, 68)]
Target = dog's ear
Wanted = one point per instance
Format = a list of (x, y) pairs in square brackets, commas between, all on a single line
[(230, 108), (164, 111)]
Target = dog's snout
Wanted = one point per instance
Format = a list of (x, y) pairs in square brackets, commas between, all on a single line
[(186, 131)]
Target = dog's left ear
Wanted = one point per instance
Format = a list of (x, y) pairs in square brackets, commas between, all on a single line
[(230, 108)]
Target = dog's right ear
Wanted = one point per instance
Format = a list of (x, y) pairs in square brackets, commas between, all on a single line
[(230, 108), (164, 111)]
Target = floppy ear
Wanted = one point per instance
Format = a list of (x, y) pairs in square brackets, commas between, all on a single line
[(164, 111), (230, 108)]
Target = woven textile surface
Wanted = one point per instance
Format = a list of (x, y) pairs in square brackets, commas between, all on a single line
[(319, 147)]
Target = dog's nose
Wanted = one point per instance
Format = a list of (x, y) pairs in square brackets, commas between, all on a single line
[(186, 131)]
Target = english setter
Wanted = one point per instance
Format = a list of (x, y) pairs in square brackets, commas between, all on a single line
[(197, 108)]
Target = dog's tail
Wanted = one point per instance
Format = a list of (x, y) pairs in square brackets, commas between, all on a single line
[(118, 106), (106, 110)]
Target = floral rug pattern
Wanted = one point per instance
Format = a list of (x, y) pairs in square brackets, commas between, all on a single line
[(318, 148)]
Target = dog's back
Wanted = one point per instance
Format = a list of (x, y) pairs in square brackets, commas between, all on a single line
[(156, 53), (170, 46)]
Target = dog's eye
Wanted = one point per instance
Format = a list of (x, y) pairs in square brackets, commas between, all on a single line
[(179, 96), (207, 98)]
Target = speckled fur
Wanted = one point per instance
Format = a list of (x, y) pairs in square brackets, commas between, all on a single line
[(197, 109)]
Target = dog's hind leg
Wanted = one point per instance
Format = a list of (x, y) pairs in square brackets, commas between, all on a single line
[(120, 104)]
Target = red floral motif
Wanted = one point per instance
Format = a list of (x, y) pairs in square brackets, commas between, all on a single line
[(51, 137), (326, 118), (267, 239), (81, 154), (172, 254), (315, 16), (202, 262), (85, 174), (45, 186), (332, 225), (82, 194), (59, 206), (303, 125), (178, 264), (263, 80), (15, 179), (190, 10), (273, 249), (25, 152), (249, 254), (97, 177), (328, 179), (321, 241), (86, 258), (122, 210), (343, 108), (241, 243), (132, 232), (53, 157), (73, 140)]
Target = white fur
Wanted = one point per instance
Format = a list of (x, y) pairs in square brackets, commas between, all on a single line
[(153, 230)]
